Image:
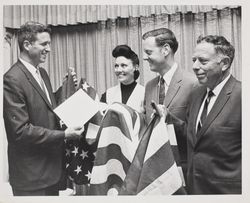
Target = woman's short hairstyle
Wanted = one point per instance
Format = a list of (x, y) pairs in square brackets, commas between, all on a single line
[(127, 52)]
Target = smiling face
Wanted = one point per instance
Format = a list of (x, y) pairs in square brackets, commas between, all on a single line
[(207, 65), (154, 55), (124, 70), (39, 49)]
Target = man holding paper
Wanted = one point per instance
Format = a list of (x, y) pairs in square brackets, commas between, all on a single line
[(35, 141)]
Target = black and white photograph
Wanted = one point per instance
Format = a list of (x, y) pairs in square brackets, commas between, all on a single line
[(127, 99)]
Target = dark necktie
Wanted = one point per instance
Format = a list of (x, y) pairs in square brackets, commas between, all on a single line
[(162, 91), (204, 111)]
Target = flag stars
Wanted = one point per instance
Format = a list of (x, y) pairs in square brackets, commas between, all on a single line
[(78, 169), (75, 151), (85, 86), (88, 175), (84, 154)]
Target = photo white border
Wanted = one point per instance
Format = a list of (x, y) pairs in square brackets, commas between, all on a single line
[(245, 197)]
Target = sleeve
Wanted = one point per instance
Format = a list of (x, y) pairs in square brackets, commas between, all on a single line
[(17, 123)]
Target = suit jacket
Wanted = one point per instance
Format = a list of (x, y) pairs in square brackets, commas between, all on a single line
[(214, 153), (35, 146), (176, 100)]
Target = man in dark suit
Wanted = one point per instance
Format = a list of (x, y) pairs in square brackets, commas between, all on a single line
[(35, 141), (172, 87), (214, 121)]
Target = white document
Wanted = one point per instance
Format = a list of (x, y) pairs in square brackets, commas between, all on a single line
[(77, 109)]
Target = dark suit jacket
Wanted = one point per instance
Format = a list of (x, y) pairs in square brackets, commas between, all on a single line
[(214, 153), (176, 100), (35, 147)]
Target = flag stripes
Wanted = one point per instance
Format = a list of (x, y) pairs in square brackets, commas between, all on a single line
[(153, 170), (118, 139), (159, 186), (112, 152), (113, 135)]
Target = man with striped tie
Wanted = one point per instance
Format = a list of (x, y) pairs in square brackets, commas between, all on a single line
[(35, 141), (214, 122), (171, 88)]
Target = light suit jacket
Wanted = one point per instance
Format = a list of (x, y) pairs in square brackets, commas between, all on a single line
[(176, 100)]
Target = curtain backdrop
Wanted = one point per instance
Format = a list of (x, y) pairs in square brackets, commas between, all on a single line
[(16, 15), (88, 47)]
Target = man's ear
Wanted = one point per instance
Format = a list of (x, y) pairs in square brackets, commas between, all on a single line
[(26, 45), (225, 63), (166, 49)]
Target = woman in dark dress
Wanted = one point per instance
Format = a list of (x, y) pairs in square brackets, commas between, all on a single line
[(128, 91)]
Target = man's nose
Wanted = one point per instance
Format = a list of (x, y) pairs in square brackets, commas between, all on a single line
[(196, 65), (48, 48)]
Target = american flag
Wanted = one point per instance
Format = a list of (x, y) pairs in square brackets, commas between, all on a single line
[(138, 161), (80, 154), (118, 139), (153, 170)]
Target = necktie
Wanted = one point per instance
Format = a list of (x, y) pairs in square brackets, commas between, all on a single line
[(204, 111), (42, 85), (162, 91)]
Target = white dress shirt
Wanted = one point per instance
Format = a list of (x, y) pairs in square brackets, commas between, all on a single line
[(32, 69), (168, 77)]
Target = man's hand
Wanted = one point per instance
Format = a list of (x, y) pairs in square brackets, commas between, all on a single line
[(160, 109), (73, 73), (73, 133)]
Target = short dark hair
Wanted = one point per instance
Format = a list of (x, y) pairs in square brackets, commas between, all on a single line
[(29, 31), (127, 52), (221, 45), (163, 36)]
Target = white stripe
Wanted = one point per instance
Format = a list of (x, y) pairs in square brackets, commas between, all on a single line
[(100, 173), (127, 116), (158, 138), (166, 184), (113, 135)]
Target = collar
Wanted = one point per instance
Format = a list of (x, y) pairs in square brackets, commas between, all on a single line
[(32, 69), (168, 75), (219, 87)]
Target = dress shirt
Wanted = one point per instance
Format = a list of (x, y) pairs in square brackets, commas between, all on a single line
[(168, 77), (32, 69)]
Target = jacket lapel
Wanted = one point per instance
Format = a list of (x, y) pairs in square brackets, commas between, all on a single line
[(34, 83), (218, 106), (48, 86), (195, 110), (174, 86)]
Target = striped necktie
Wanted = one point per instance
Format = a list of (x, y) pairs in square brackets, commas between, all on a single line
[(204, 111), (42, 84), (162, 91)]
